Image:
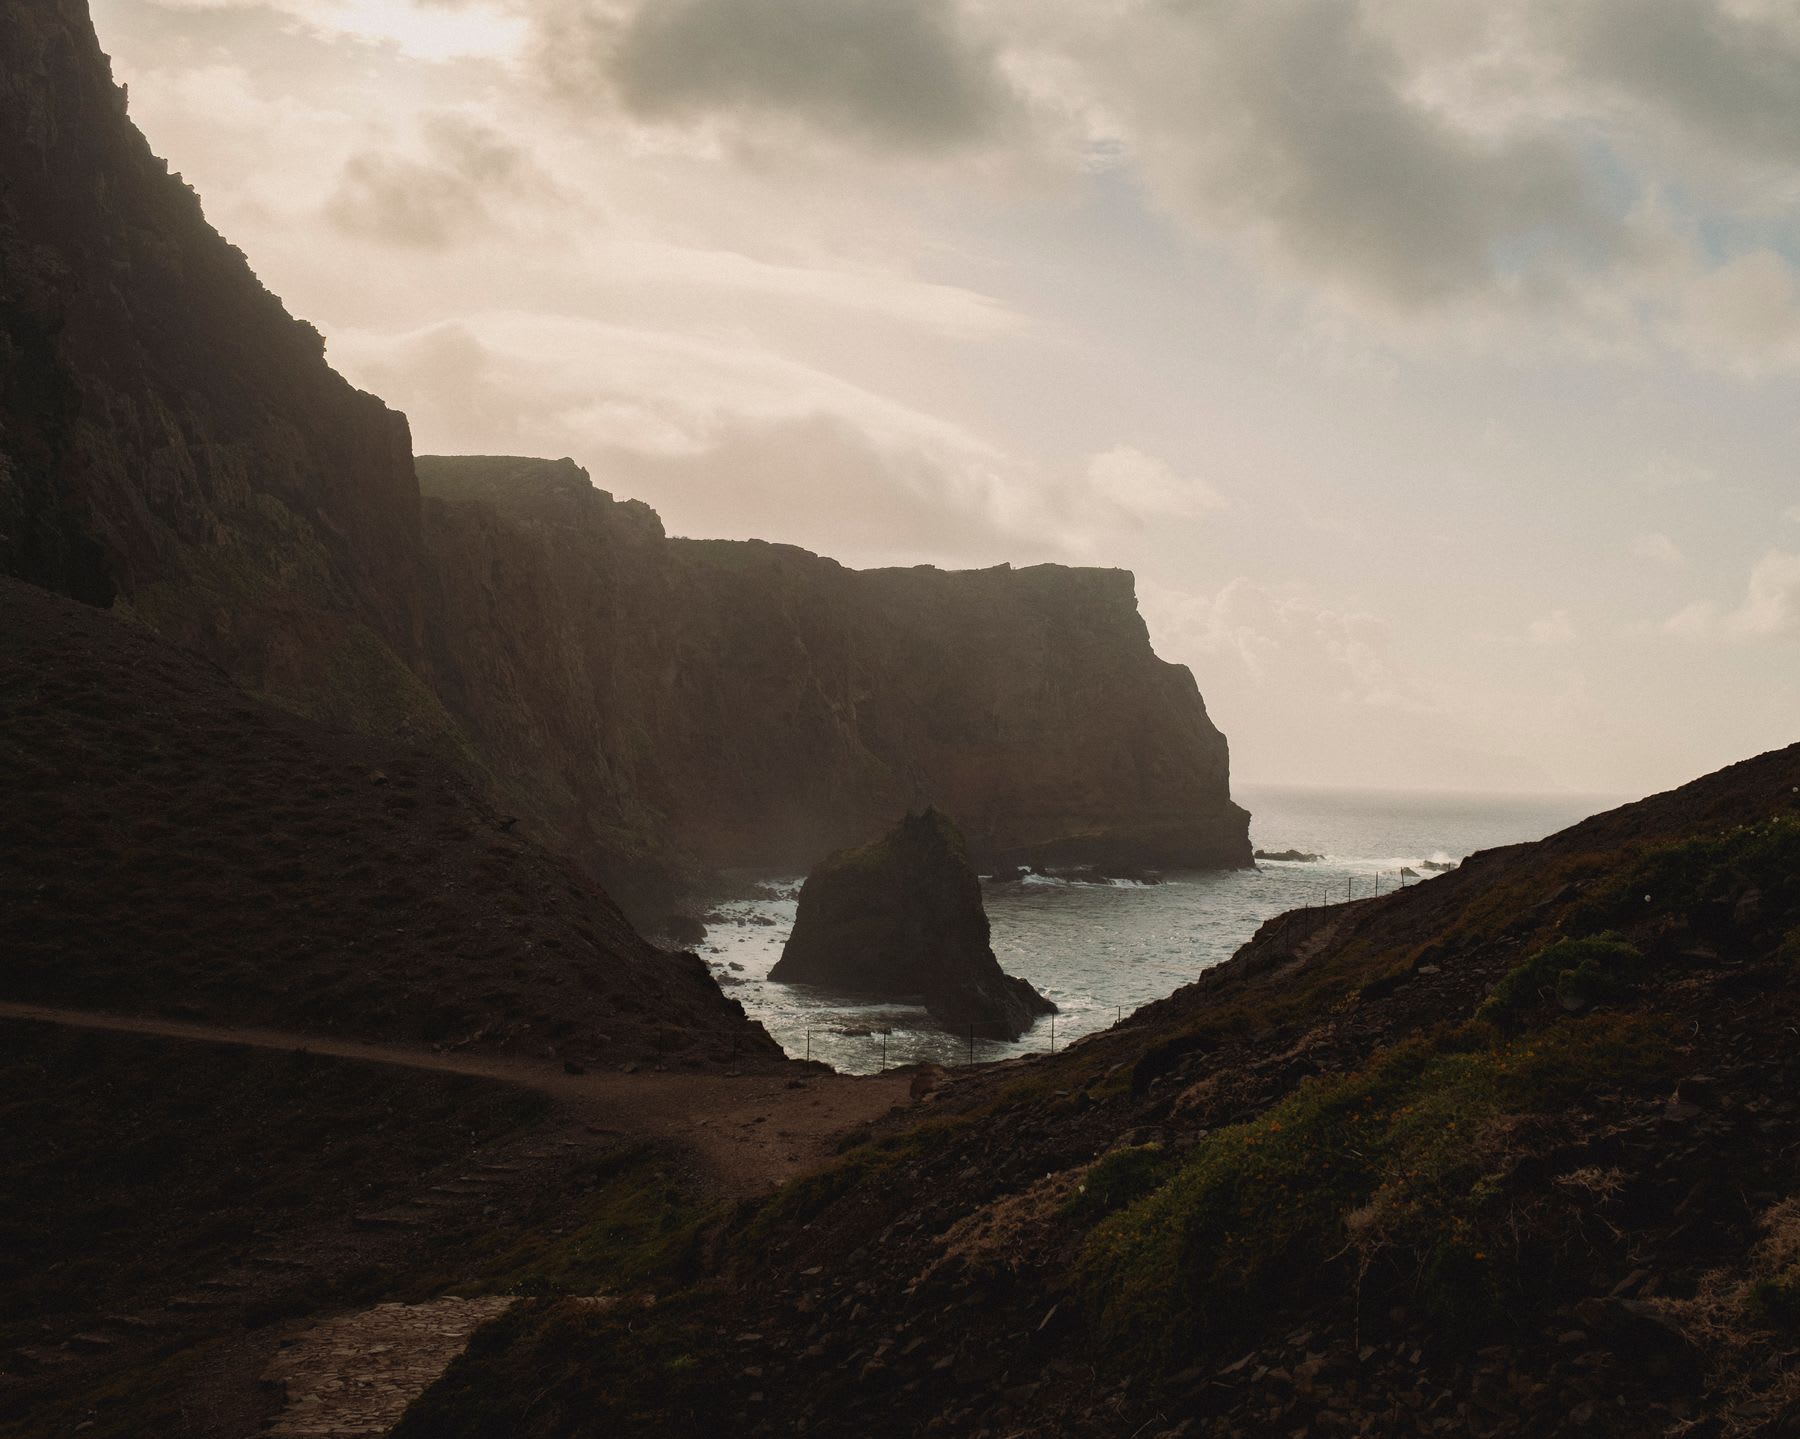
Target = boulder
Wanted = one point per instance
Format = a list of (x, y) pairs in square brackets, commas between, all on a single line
[(901, 918)]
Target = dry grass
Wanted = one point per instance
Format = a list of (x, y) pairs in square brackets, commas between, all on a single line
[(991, 1240), (1753, 1373)]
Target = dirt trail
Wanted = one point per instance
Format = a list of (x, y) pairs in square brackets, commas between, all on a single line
[(349, 1375), (752, 1131), (355, 1375)]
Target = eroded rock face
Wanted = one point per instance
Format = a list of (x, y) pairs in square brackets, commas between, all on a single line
[(171, 439), (761, 705), (169, 845), (900, 919), (174, 446)]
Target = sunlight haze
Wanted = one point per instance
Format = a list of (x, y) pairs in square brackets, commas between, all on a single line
[(1432, 367)]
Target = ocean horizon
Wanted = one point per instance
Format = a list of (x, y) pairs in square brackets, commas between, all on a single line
[(1101, 951)]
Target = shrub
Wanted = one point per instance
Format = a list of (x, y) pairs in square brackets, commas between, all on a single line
[(1409, 1156), (1118, 1178), (1577, 972)]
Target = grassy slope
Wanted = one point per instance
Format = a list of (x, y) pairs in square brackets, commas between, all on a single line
[(1515, 1151), (147, 1174)]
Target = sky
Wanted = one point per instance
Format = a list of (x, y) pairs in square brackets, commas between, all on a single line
[(1433, 367)]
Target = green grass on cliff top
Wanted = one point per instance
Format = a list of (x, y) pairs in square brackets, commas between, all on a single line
[(880, 853)]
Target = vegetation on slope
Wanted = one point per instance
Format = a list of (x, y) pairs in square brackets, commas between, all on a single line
[(1511, 1152), (158, 1192)]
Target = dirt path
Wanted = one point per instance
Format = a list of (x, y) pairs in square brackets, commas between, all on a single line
[(752, 1131), (344, 1375), (355, 1375)]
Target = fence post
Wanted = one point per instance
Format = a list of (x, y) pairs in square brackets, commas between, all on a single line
[(884, 1035), (809, 1046), (971, 1042), (1053, 1031)]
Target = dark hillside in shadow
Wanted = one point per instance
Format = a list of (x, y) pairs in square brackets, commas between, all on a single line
[(1515, 1151), (170, 845)]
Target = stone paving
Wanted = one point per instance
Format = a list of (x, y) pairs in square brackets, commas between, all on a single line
[(355, 1375)]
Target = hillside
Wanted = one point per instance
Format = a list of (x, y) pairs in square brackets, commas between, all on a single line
[(170, 845), (1508, 1152)]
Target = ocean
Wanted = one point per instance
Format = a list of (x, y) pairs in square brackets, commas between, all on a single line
[(1102, 950)]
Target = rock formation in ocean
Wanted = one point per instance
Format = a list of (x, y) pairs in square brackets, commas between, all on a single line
[(174, 445), (901, 918)]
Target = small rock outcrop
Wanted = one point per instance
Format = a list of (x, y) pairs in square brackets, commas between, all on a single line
[(902, 918)]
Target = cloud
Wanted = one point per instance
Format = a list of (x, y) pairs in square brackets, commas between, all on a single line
[(1791, 515), (1725, 72), (1665, 472), (1697, 621), (900, 75), (1769, 610), (1330, 693), (467, 179), (1745, 314), (1285, 638), (1659, 549), (1771, 604), (820, 482), (866, 292), (1303, 125), (428, 30), (1141, 487), (1513, 162), (725, 439), (1554, 631), (1610, 173)]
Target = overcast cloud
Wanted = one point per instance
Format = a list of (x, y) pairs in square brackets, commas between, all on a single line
[(1432, 365)]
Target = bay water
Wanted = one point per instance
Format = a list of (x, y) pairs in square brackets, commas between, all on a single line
[(1101, 950)]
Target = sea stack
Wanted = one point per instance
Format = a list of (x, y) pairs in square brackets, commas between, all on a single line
[(902, 918)]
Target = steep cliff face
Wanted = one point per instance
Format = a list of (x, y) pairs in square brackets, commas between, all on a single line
[(171, 439), (169, 845), (759, 705), (174, 446)]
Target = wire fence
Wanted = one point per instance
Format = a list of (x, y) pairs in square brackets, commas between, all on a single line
[(1317, 895), (1320, 894), (1042, 1037)]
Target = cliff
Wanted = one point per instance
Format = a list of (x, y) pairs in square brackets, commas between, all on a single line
[(902, 918), (174, 446), (171, 846), (760, 705), (171, 439)]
